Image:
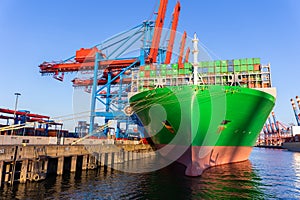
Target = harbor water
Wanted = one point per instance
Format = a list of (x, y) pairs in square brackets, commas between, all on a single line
[(268, 174)]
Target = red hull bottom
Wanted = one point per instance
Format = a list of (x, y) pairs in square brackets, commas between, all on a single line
[(198, 158)]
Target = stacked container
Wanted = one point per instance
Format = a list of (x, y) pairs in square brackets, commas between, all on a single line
[(248, 71)]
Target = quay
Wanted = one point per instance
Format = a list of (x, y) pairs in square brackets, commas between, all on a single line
[(34, 162)]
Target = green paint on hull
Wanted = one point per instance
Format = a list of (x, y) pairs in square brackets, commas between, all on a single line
[(203, 115)]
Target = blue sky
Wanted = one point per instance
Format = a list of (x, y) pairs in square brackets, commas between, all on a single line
[(35, 31)]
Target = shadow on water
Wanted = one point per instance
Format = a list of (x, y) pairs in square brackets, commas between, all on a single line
[(222, 182)]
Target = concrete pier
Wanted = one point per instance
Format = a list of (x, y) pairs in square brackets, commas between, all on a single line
[(20, 163)]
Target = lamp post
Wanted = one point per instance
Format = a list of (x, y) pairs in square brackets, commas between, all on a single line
[(16, 105)]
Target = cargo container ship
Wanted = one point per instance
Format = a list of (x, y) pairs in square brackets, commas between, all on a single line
[(204, 114)]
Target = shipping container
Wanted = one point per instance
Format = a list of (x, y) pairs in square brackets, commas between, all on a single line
[(175, 66), (152, 74), (142, 73), (256, 61), (236, 62), (224, 69), (250, 61), (187, 71), (175, 71), (224, 63), (243, 68), (152, 67), (147, 73), (163, 73), (256, 67), (187, 65), (217, 63), (147, 67), (243, 61), (211, 64), (181, 71), (237, 68), (163, 66), (250, 68)]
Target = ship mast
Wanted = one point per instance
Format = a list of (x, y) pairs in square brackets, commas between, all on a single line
[(195, 62)]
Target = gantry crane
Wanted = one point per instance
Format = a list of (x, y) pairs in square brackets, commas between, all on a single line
[(296, 113), (274, 133), (112, 70)]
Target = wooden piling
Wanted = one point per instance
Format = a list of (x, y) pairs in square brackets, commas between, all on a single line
[(1, 171), (84, 162), (24, 170), (73, 163), (60, 166)]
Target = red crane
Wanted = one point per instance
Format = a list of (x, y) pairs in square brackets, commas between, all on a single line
[(157, 31), (187, 55), (8, 111), (172, 33)]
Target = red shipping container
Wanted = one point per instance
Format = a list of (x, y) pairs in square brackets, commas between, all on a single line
[(152, 67), (257, 67), (147, 74)]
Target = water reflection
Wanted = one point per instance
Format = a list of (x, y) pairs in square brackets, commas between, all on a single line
[(227, 181), (258, 179), (296, 167)]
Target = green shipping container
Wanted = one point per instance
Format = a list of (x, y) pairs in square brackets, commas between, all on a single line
[(211, 63), (152, 74), (218, 69), (187, 65), (250, 67), (181, 71), (256, 61), (174, 66), (218, 63), (187, 71), (244, 68), (147, 67), (250, 61), (224, 69), (243, 61), (163, 66), (142, 74), (175, 72), (236, 62), (224, 63), (163, 73), (169, 72), (237, 68)]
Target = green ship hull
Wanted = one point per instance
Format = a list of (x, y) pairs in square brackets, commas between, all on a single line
[(203, 126)]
